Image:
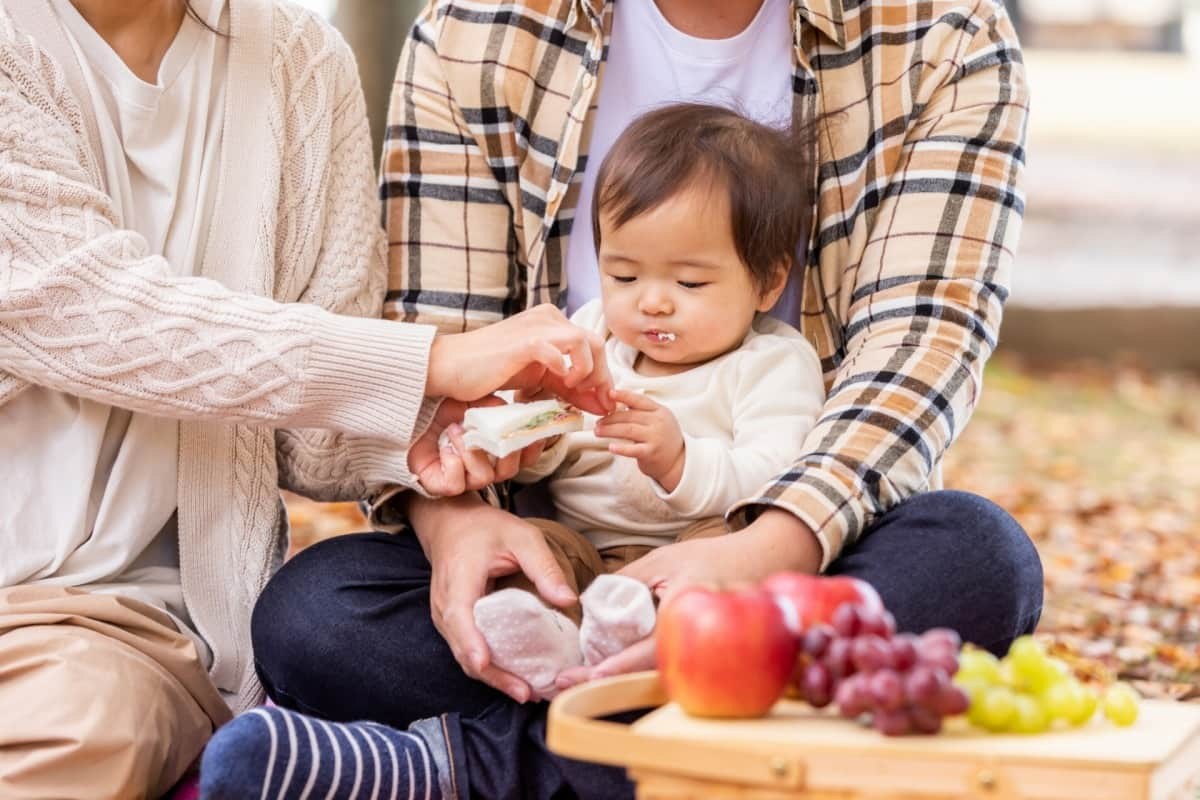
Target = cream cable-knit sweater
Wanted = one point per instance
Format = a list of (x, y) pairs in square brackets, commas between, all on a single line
[(272, 385)]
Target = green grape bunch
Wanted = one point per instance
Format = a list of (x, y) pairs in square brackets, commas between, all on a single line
[(1028, 691)]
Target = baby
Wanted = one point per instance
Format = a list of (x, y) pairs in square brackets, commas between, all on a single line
[(697, 216)]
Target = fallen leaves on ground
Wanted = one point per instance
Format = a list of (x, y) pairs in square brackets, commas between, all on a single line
[(1101, 464)]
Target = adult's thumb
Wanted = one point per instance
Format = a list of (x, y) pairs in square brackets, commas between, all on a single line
[(539, 565)]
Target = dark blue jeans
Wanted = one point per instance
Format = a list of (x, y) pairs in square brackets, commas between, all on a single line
[(344, 632)]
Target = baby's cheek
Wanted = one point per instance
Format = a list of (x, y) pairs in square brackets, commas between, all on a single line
[(625, 334)]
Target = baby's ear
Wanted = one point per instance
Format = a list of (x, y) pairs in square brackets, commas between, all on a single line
[(774, 288)]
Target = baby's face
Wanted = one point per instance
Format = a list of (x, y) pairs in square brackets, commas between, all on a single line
[(673, 285)]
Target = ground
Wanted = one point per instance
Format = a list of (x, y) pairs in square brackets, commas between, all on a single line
[(1101, 464)]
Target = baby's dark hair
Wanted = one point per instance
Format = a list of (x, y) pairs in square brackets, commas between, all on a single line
[(766, 171)]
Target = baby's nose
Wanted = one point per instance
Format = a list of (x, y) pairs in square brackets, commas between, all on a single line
[(655, 302)]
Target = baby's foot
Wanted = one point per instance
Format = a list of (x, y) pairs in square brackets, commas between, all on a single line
[(617, 612), (527, 638)]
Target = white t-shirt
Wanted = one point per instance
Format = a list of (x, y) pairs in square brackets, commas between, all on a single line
[(651, 64), (744, 416), (111, 525)]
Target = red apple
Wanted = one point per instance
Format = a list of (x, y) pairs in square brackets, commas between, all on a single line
[(815, 598), (724, 653)]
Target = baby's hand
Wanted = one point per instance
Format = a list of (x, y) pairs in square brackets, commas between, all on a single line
[(651, 435)]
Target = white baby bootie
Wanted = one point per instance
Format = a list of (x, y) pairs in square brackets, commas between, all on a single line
[(527, 638), (617, 612)]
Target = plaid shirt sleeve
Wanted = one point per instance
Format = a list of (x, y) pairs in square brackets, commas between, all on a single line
[(921, 307), (446, 212)]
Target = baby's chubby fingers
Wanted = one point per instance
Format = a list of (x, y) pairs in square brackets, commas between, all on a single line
[(624, 417), (630, 431), (637, 450), (634, 400), (621, 417)]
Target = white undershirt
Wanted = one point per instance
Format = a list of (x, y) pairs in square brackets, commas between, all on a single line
[(650, 64), (87, 491)]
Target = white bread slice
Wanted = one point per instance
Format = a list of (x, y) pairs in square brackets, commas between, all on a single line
[(501, 430)]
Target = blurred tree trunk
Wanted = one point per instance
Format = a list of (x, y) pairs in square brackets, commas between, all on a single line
[(376, 29)]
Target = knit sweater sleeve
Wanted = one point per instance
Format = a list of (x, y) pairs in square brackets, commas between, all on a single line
[(349, 277), (86, 309)]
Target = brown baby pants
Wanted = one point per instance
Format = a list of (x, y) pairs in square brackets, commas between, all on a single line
[(581, 562)]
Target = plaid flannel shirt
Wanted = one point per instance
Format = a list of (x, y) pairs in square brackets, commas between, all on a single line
[(918, 214)]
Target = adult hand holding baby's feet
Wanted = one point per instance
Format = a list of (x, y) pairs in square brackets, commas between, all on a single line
[(617, 612), (537, 643), (470, 543), (527, 638), (617, 631), (651, 435), (776, 541), (663, 572)]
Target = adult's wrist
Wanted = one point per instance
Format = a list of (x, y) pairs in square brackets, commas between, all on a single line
[(441, 374), (429, 515), (786, 541)]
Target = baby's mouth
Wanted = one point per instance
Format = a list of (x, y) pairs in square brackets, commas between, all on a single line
[(661, 336)]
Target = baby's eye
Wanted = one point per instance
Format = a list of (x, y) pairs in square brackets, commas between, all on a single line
[(692, 284), (623, 278)]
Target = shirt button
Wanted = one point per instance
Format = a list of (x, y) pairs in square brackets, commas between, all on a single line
[(588, 80), (554, 193)]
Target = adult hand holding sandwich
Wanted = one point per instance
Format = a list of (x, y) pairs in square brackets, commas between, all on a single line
[(469, 544), (450, 468), (524, 352)]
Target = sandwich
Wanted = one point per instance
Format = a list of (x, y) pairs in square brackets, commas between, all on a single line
[(501, 430)]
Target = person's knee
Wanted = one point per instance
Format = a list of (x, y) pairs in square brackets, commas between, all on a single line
[(953, 559), (320, 628), (979, 526), (93, 717), (997, 563), (294, 624)]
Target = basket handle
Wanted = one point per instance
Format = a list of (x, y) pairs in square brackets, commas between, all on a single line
[(574, 731)]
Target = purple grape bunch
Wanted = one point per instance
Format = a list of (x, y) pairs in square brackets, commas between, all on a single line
[(901, 683)]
